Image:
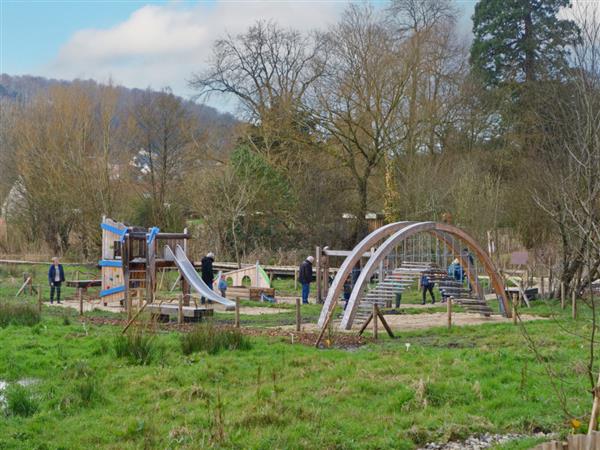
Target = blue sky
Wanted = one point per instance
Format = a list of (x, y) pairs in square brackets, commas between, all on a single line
[(141, 44)]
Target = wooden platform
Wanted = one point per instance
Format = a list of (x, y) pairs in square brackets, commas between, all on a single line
[(252, 293), (166, 312), (83, 284)]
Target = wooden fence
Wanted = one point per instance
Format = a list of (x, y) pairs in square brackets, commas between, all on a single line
[(574, 442)]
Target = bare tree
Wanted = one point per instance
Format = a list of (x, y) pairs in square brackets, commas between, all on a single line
[(358, 100), (268, 70), (162, 135), (571, 193)]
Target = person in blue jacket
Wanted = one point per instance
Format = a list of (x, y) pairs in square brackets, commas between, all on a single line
[(456, 271), (56, 276)]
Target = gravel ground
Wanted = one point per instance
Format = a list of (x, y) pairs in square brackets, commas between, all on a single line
[(480, 442)]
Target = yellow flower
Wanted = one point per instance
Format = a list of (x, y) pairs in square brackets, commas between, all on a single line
[(575, 423)]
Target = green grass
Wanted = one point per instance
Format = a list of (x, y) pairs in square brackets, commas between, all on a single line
[(18, 314), (447, 385), (211, 339), (19, 401), (137, 346)]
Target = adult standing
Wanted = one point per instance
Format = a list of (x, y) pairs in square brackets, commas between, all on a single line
[(427, 285), (56, 276), (207, 271), (305, 277)]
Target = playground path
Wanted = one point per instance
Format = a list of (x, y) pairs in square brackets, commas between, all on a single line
[(115, 308), (411, 322), (420, 321)]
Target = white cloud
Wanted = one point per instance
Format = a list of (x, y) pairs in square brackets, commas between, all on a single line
[(162, 45)]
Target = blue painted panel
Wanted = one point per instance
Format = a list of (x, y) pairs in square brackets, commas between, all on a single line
[(153, 232), (112, 229), (110, 291), (109, 263)]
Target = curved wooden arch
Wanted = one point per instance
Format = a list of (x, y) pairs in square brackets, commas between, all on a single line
[(438, 230), (457, 253), (346, 268)]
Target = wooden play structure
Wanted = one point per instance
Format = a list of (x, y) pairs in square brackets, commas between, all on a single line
[(394, 257), (131, 257)]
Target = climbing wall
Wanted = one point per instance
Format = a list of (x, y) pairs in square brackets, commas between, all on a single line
[(112, 266)]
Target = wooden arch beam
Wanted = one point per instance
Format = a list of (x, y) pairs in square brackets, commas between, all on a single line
[(346, 268), (464, 262), (402, 234), (484, 258)]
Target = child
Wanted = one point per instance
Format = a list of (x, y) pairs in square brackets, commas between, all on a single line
[(223, 286)]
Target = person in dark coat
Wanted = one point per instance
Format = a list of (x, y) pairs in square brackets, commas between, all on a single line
[(305, 277), (56, 276), (207, 272), (427, 285)]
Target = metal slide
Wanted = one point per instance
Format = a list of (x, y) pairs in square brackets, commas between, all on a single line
[(187, 270)]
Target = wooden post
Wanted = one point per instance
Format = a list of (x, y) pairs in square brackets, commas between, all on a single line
[(375, 321), (514, 309), (325, 263), (593, 426), (449, 309), (574, 304), (237, 312), (80, 298), (186, 290), (318, 273), (562, 295), (298, 315), (39, 298), (295, 279), (180, 310), (128, 305)]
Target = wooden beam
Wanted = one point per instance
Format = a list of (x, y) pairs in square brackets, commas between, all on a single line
[(375, 316), (298, 315), (384, 323)]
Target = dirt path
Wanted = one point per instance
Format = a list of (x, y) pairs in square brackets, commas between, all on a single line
[(90, 305), (410, 322)]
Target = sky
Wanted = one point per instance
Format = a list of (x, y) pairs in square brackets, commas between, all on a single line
[(143, 44)]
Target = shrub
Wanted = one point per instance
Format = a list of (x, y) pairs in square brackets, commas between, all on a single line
[(206, 337), (137, 346), (19, 401), (18, 314)]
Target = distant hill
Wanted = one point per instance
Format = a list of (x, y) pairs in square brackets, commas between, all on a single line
[(24, 87)]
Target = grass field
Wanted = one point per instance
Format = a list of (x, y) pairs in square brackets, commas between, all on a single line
[(445, 385)]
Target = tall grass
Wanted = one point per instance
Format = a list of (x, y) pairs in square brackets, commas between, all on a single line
[(211, 339), (19, 401), (18, 314), (138, 346)]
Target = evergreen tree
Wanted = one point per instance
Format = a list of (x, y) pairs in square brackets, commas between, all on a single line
[(520, 40)]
